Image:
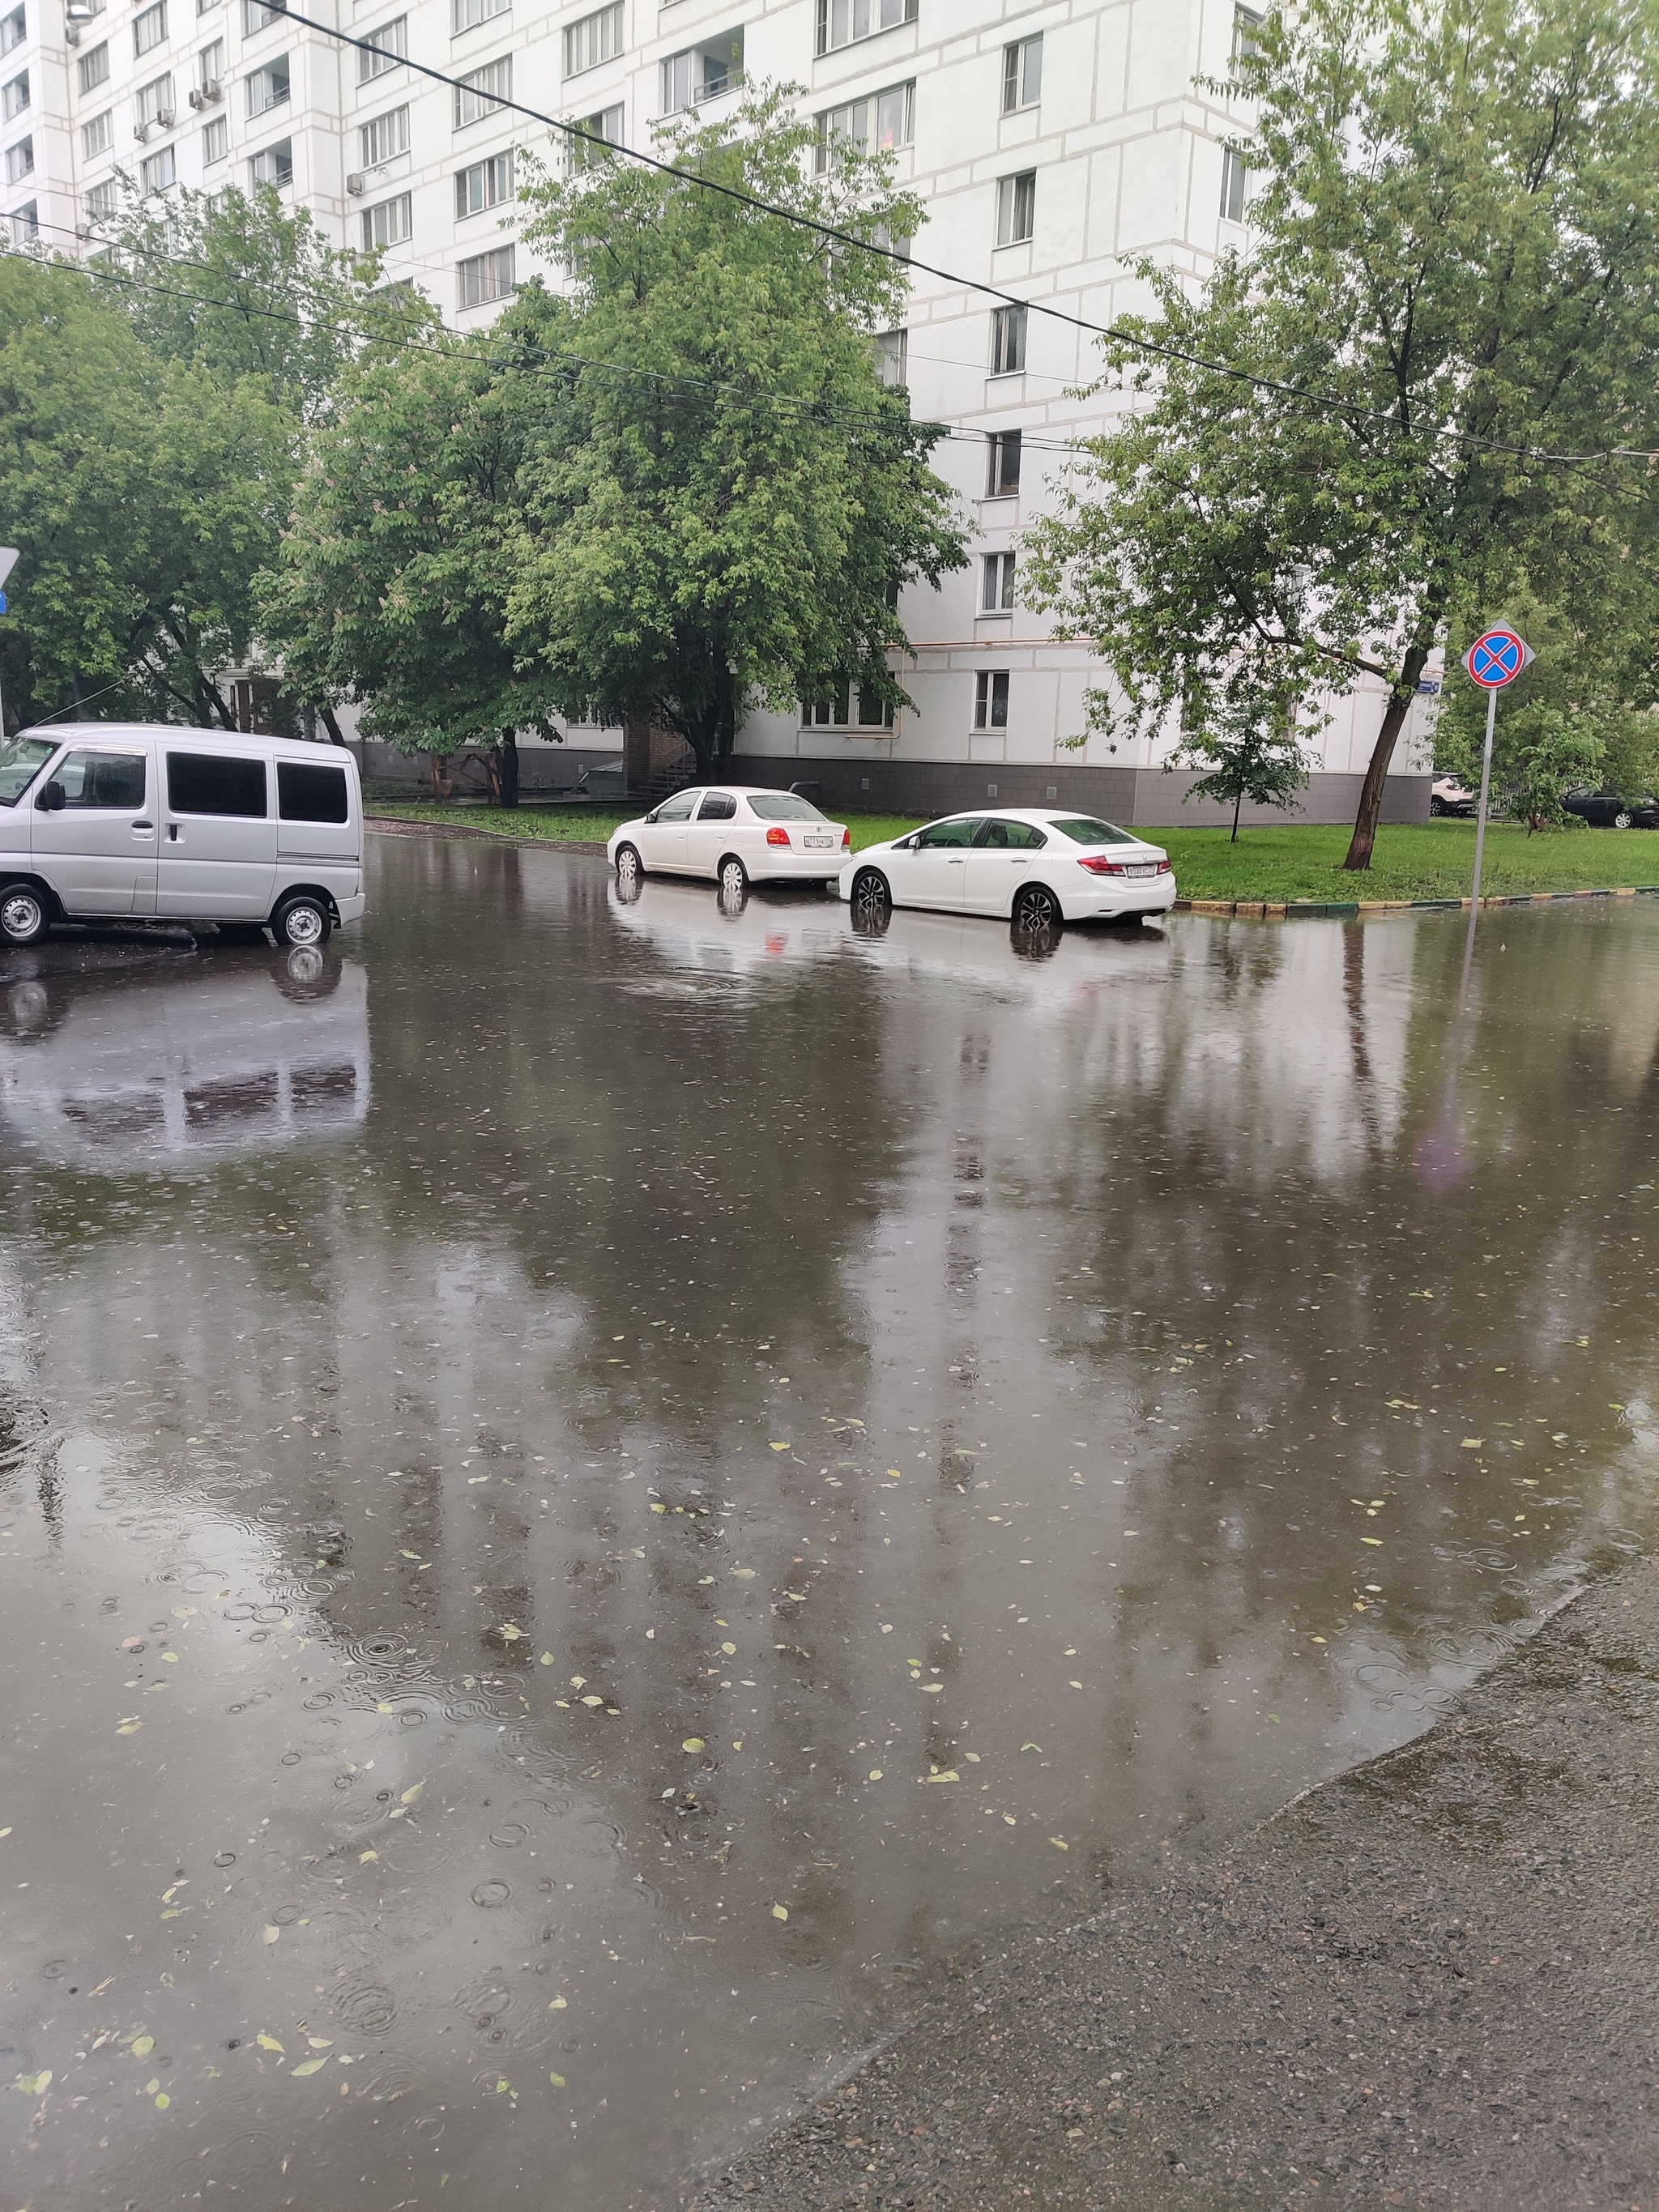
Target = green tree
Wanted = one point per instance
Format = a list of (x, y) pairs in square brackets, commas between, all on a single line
[(392, 586), (730, 499), (1453, 272), (1255, 755)]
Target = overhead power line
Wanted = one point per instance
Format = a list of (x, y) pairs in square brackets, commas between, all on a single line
[(1328, 402)]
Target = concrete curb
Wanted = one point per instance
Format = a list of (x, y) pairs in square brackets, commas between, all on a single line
[(1299, 909)]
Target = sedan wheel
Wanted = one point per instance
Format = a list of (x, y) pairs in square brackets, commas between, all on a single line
[(735, 878), (629, 868), (1621, 820), (871, 895), (1036, 907)]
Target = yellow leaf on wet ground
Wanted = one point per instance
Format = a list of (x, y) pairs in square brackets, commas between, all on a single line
[(557, 2080), (779, 1912), (271, 1933), (267, 2042), (1471, 1444), (35, 2085), (364, 1857), (412, 1793), (309, 2066), (694, 1743), (558, 2004), (780, 1447)]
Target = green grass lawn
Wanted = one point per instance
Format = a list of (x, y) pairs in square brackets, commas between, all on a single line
[(1290, 860)]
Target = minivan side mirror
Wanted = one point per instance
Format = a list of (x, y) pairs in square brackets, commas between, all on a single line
[(53, 799)]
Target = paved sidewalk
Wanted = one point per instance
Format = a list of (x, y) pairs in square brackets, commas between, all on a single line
[(1432, 1982)]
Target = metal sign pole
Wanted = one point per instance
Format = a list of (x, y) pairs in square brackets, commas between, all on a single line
[(1485, 787)]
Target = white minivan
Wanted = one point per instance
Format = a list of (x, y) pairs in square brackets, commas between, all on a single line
[(100, 820)]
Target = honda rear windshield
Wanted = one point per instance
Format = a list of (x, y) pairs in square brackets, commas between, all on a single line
[(19, 763), (1083, 831), (788, 806)]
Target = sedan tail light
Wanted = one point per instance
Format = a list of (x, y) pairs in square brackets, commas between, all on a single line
[(846, 840), (1098, 865), (777, 836)]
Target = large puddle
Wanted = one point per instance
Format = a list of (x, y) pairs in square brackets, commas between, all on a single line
[(593, 1494)]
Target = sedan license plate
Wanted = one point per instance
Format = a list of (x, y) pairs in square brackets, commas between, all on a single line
[(819, 844), (1151, 870)]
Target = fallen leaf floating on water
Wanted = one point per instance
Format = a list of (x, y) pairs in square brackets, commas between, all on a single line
[(412, 1793), (693, 1743), (780, 1447), (142, 2045), (271, 1933), (779, 1912), (510, 1634), (309, 2066), (267, 2043), (35, 2085), (558, 2004), (130, 1727), (1472, 1443), (557, 2080)]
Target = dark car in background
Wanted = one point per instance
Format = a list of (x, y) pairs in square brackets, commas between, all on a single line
[(1606, 810)]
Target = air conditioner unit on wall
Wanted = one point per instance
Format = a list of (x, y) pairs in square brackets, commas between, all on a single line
[(164, 118), (197, 96), (141, 132), (356, 185)]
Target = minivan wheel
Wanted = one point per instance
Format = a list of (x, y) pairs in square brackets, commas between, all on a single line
[(301, 920), (735, 877), (628, 867), (23, 917), (1036, 907)]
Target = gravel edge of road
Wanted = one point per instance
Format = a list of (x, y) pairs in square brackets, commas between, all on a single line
[(1430, 1981)]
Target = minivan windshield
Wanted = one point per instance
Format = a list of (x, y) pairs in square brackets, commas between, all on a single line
[(1083, 830), (788, 806), (20, 761)]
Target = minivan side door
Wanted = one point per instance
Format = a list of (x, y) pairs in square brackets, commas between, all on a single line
[(217, 858), (92, 827)]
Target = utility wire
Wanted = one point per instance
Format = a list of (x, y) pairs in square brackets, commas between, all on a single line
[(99, 273), (1330, 402)]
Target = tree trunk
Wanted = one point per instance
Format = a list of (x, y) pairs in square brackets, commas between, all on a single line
[(637, 752), (336, 736), (1238, 801), (436, 765), (1394, 721), (507, 774), (727, 732)]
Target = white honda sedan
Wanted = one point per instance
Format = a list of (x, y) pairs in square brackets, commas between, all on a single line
[(733, 835), (1039, 866)]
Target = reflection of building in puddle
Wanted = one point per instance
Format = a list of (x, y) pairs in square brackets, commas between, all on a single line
[(107, 1069)]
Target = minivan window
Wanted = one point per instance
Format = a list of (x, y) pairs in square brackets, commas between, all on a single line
[(308, 794), (215, 783), (19, 763), (91, 778)]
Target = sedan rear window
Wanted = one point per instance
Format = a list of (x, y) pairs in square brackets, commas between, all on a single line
[(787, 806), (212, 783), (19, 763), (1083, 831)]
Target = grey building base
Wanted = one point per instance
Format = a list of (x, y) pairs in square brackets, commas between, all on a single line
[(544, 772), (1140, 795)]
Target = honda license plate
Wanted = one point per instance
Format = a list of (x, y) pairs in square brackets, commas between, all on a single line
[(1151, 870)]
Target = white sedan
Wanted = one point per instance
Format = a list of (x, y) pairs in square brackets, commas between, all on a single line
[(1039, 866), (733, 835)]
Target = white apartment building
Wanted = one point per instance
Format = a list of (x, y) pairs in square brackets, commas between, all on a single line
[(1052, 141)]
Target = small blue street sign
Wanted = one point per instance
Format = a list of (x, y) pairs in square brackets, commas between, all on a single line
[(1497, 658)]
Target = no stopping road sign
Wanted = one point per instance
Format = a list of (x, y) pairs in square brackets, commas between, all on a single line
[(1497, 658)]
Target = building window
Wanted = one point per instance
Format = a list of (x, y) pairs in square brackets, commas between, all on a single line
[(100, 200), (388, 224), (701, 73), (1247, 35), (256, 14), (97, 136), (598, 38), (887, 121), (20, 161), (1022, 74), (1235, 180), (273, 165), (268, 88), (386, 47), (841, 21), (15, 96), (892, 358), (483, 278), (26, 223), (157, 171), (991, 699), (153, 103), (1016, 208), (1008, 341), (607, 126), (468, 14), (1002, 478), (216, 141), (998, 595), (93, 69), (149, 30), (210, 68), (386, 137), (845, 708), (485, 185), (13, 31), (481, 91)]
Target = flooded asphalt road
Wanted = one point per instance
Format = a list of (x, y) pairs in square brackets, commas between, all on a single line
[(593, 1495)]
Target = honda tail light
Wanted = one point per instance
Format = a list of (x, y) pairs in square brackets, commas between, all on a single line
[(777, 836), (1098, 865), (1164, 867)]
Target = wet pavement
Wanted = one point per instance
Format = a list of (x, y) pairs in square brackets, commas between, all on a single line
[(597, 1495)]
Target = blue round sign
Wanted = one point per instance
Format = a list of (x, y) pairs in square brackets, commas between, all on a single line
[(1497, 658)]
